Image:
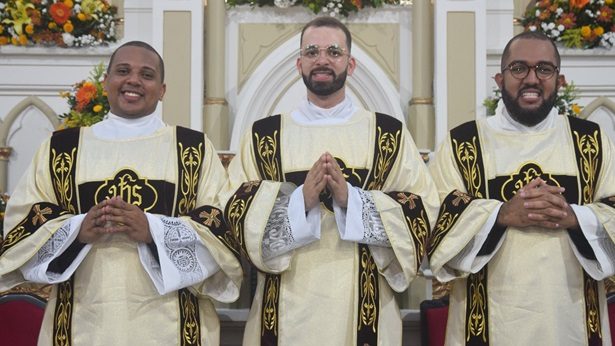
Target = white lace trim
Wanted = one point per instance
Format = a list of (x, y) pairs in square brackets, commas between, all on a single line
[(278, 238), (180, 246), (373, 229)]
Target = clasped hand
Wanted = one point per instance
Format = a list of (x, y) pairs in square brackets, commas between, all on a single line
[(114, 215), (538, 204), (325, 174)]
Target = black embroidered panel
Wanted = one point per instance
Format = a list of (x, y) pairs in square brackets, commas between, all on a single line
[(63, 151), (266, 145), (62, 167), (153, 196), (452, 207), (416, 219), (503, 188), (477, 309), (213, 219), (469, 158), (39, 214), (63, 314), (190, 156), (189, 318), (610, 201)]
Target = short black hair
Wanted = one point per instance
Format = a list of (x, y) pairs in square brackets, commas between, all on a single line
[(328, 21), (142, 45), (530, 35)]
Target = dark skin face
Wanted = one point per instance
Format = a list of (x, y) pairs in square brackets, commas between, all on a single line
[(529, 100), (134, 83)]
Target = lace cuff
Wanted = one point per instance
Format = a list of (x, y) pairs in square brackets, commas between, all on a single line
[(278, 237), (373, 228)]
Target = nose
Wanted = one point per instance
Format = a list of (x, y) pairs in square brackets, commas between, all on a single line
[(133, 78), (532, 76)]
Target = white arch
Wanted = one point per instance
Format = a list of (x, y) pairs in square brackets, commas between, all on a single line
[(276, 79)]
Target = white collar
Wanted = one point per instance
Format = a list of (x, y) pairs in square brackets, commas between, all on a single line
[(503, 121), (309, 113), (116, 127)]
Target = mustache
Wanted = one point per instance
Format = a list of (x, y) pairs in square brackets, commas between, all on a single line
[(322, 69)]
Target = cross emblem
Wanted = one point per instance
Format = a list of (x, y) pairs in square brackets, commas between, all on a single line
[(247, 186), (404, 198), (211, 218), (460, 197), (39, 215)]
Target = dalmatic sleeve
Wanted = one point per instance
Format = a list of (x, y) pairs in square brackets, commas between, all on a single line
[(603, 207), (407, 204), (461, 216), (33, 215), (207, 219), (254, 207)]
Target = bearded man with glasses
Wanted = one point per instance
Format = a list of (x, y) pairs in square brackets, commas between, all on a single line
[(525, 231), (331, 203)]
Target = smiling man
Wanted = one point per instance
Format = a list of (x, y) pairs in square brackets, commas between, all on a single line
[(525, 231), (123, 219), (331, 203)]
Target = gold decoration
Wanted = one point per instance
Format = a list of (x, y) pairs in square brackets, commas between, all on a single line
[(477, 325), (466, 154), (63, 314), (270, 313), (266, 151), (191, 161), (589, 150), (191, 330), (369, 313), (388, 144), (62, 180)]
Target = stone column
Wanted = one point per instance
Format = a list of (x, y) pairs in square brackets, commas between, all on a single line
[(215, 111), (5, 152), (421, 115)]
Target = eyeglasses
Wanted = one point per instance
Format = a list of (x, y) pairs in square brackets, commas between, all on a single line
[(520, 70), (312, 51)]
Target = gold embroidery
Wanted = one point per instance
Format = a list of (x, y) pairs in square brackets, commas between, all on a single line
[(446, 220), (247, 186), (39, 217), (130, 187), (211, 218), (420, 231), (191, 160), (368, 313), (527, 172), (270, 313), (191, 329), (63, 314), (267, 148), (62, 180), (477, 325), (13, 237), (589, 150), (591, 294), (387, 148), (235, 214), (466, 154)]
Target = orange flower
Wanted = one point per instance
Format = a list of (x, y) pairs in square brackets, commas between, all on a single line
[(81, 16), (578, 3), (84, 95), (606, 14), (68, 3), (59, 12), (1, 29), (14, 41), (357, 3), (68, 27), (598, 31), (97, 108), (52, 25), (4, 40), (29, 29), (576, 109), (586, 31), (568, 20), (23, 39), (608, 2)]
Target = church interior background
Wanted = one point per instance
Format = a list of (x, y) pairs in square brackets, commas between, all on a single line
[(428, 63)]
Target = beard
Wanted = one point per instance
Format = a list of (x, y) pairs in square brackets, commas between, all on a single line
[(527, 117), (325, 88)]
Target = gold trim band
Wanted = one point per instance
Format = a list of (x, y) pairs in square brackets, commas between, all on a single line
[(421, 101), (215, 101)]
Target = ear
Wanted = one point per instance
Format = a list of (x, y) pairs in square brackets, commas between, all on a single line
[(352, 64), (499, 80), (163, 91), (298, 65), (561, 81)]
